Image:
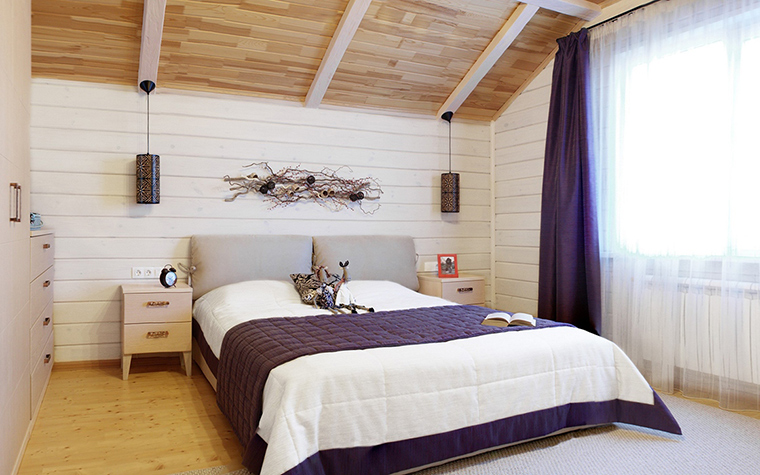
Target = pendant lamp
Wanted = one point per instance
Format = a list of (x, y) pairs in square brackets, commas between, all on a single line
[(148, 169), (449, 181)]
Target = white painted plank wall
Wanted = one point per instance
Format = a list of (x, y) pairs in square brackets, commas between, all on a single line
[(519, 141), (84, 141)]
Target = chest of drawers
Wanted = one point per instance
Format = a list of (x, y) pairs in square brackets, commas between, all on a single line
[(41, 313)]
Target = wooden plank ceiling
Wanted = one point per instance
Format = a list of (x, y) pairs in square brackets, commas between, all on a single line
[(405, 56)]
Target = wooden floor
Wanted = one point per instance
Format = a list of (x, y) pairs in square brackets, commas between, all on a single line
[(158, 422)]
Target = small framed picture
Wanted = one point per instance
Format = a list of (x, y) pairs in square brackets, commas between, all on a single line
[(447, 265)]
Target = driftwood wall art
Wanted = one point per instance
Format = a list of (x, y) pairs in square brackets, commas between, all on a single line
[(292, 184)]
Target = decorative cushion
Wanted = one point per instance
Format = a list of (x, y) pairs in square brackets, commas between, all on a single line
[(316, 292)]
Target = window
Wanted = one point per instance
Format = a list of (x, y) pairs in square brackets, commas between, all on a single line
[(687, 162)]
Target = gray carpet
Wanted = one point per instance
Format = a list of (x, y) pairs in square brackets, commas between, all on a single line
[(714, 442)]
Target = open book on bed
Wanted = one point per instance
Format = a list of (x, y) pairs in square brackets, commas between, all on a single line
[(502, 319)]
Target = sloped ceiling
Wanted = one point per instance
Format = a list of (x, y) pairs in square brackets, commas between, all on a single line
[(405, 55)]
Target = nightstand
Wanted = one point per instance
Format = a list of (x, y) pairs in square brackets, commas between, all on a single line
[(156, 320), (465, 289)]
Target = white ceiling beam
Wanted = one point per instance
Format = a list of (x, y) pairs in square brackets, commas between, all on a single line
[(150, 48), (499, 44), (582, 9), (344, 33)]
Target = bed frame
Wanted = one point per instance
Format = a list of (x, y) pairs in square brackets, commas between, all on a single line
[(222, 259)]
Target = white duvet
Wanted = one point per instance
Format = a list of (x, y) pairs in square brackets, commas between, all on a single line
[(227, 306), (369, 397)]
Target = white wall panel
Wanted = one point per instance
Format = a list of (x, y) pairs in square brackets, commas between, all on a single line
[(519, 142), (87, 312), (89, 352), (85, 138), (526, 204), (522, 135), (124, 248)]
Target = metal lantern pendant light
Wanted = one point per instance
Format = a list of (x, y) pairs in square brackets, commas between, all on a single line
[(148, 169), (449, 181)]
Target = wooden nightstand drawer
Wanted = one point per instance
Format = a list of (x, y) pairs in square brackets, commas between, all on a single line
[(42, 253), (467, 292), (157, 337), (158, 307), (465, 289)]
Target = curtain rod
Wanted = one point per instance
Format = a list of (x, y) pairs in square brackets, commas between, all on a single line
[(622, 14)]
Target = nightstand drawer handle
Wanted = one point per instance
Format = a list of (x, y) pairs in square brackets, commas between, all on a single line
[(158, 303), (46, 322), (46, 246), (46, 284), (463, 290), (48, 357), (161, 334)]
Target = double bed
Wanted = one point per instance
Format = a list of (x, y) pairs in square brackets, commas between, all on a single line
[(416, 383)]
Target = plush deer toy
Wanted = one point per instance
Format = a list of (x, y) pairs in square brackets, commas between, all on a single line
[(344, 266)]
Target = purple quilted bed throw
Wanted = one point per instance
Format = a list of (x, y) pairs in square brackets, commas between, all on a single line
[(252, 349)]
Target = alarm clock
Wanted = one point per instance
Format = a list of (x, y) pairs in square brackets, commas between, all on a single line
[(168, 276)]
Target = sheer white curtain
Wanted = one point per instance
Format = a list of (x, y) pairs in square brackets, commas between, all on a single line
[(676, 120)]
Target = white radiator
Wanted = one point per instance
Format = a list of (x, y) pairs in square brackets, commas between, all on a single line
[(718, 330)]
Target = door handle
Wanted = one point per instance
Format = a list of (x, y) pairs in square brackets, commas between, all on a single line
[(16, 190)]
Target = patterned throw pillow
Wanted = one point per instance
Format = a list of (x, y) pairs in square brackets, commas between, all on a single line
[(316, 292)]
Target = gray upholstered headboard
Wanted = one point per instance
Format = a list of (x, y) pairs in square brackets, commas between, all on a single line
[(226, 259), (370, 257)]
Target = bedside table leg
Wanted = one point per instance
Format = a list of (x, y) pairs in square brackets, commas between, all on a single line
[(126, 361), (187, 361)]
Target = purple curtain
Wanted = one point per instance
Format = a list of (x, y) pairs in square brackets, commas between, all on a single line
[(569, 285)]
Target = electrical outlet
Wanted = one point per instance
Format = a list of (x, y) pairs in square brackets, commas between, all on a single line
[(146, 272)]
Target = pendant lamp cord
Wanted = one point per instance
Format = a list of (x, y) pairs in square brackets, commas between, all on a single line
[(148, 123), (449, 146)]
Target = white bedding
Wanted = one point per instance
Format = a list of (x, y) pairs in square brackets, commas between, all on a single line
[(369, 397), (224, 307)]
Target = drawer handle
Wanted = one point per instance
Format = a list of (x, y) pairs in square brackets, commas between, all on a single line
[(161, 334), (46, 246), (46, 284), (158, 303), (463, 290), (48, 357), (46, 322)]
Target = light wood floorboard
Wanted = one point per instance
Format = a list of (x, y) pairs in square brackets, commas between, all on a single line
[(158, 422)]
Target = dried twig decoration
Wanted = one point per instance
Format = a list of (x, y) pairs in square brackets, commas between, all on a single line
[(292, 184)]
